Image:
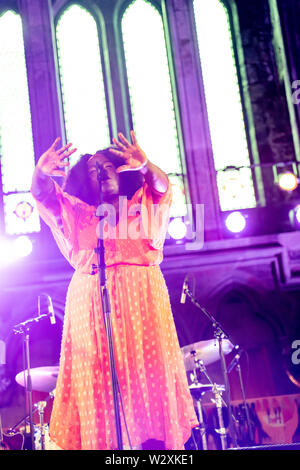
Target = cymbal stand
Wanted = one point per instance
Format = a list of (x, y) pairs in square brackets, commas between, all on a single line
[(28, 381), (50, 396), (251, 437), (24, 329), (202, 427), (41, 406), (219, 403), (219, 334)]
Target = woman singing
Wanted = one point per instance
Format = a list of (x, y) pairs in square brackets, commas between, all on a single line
[(158, 407)]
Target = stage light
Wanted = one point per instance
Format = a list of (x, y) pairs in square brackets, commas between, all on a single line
[(297, 213), (294, 216), (235, 222), (12, 250), (22, 246), (287, 181), (177, 228)]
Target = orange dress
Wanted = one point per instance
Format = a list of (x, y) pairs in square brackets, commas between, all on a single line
[(154, 389)]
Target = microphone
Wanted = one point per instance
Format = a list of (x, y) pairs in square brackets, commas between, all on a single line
[(99, 172), (234, 361), (51, 313), (19, 328), (183, 292)]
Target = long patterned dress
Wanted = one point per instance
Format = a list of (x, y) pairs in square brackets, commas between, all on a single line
[(149, 363)]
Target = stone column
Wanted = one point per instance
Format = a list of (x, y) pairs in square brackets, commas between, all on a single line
[(194, 120)]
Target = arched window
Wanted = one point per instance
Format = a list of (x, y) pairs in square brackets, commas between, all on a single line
[(150, 91), (16, 143), (223, 101), (82, 85)]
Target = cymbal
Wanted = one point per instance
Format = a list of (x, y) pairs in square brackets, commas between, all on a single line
[(206, 351), (43, 378)]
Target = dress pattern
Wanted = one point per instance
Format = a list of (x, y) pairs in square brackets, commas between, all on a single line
[(156, 400)]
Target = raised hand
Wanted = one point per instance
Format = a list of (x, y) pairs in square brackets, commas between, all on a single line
[(52, 161), (133, 155)]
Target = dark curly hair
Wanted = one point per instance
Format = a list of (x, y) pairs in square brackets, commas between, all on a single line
[(77, 182)]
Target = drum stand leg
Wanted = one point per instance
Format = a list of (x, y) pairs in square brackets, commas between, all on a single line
[(222, 430), (219, 404), (201, 424), (41, 405), (202, 427)]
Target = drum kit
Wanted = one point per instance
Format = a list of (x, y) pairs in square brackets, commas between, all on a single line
[(43, 380), (196, 357)]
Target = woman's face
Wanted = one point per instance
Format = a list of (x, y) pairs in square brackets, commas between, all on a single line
[(110, 184)]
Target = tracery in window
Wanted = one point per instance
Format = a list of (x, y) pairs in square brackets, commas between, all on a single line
[(16, 143)]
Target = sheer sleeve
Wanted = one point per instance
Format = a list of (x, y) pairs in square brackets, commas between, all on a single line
[(61, 212), (155, 212)]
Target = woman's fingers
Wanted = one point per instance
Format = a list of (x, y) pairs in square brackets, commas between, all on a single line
[(124, 144), (123, 139), (119, 153), (133, 138), (116, 152), (63, 149), (70, 152), (118, 144), (55, 143)]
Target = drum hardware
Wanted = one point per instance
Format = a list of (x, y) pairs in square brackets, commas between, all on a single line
[(23, 328), (198, 399), (35, 410), (221, 336), (41, 406), (219, 404), (40, 429), (197, 390)]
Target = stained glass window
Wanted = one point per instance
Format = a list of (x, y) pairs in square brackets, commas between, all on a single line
[(223, 100), (150, 92), (16, 144), (82, 85)]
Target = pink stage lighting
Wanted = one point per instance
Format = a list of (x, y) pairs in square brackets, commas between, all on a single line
[(12, 250), (177, 229), (235, 222), (288, 181)]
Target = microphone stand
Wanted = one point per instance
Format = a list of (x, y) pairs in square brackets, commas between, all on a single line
[(238, 367), (219, 334), (24, 329), (106, 310)]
